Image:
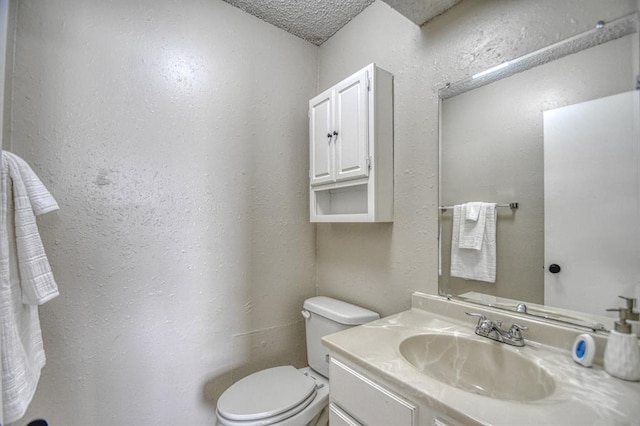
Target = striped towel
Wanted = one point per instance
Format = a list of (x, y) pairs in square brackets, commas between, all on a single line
[(26, 281)]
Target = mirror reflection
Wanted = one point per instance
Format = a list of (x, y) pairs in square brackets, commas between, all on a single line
[(560, 139)]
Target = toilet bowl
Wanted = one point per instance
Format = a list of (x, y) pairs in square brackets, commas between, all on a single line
[(284, 395)]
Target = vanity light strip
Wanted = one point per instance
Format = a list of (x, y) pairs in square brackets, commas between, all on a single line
[(602, 33)]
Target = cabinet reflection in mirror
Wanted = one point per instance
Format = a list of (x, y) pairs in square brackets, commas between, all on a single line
[(555, 131)]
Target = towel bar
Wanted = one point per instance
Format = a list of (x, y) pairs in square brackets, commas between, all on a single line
[(513, 205)]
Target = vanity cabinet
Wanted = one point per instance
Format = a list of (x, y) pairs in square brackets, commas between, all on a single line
[(337, 417), (358, 398), (364, 401), (351, 149)]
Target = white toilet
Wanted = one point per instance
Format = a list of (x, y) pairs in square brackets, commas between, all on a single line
[(285, 396)]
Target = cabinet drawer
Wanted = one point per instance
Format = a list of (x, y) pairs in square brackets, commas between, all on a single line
[(337, 417), (445, 421), (366, 401)]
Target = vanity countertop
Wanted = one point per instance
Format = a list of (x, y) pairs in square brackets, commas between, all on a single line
[(583, 396)]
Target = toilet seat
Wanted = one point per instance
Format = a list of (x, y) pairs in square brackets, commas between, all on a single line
[(266, 397)]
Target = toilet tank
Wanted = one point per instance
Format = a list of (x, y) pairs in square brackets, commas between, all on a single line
[(323, 316)]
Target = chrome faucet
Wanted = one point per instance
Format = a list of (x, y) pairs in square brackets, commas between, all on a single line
[(494, 331)]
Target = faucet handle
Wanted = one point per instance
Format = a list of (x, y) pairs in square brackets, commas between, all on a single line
[(481, 317), (484, 323), (515, 331)]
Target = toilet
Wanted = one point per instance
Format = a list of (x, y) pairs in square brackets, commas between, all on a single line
[(286, 396)]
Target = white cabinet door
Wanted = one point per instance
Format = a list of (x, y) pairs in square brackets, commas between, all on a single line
[(351, 124), (321, 138), (366, 401), (338, 131)]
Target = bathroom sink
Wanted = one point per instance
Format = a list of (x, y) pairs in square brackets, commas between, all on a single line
[(485, 368)]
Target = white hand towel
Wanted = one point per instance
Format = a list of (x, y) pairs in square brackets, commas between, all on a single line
[(25, 282), (472, 232), (472, 264), (473, 210), (31, 198)]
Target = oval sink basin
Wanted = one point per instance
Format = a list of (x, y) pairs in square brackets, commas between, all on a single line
[(484, 368)]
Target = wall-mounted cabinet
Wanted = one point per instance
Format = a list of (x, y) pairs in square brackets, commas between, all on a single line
[(351, 149)]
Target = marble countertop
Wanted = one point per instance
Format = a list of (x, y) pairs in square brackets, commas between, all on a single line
[(583, 396)]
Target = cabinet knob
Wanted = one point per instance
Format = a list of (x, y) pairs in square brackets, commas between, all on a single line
[(329, 135), (335, 133)]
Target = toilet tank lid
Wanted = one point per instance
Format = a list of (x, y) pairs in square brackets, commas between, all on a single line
[(339, 311)]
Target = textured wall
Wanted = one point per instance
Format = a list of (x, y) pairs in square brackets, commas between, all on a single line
[(173, 135), (170, 134), (380, 265), (7, 30)]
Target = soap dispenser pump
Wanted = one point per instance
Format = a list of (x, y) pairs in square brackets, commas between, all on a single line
[(633, 317), (622, 354)]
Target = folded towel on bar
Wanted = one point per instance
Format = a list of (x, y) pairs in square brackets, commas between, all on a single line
[(473, 210), (472, 232), (26, 281), (474, 264)]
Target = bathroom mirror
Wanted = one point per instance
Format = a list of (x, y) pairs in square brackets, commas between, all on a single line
[(492, 149)]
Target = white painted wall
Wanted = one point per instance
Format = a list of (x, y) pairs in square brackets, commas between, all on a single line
[(5, 57), (380, 265), (174, 136)]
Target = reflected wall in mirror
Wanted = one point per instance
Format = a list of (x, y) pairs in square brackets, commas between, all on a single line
[(492, 149)]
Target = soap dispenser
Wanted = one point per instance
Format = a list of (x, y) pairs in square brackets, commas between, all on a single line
[(633, 317), (622, 354)]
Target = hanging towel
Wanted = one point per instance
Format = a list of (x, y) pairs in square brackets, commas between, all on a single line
[(472, 230), (31, 198), (473, 210), (26, 281), (470, 263)]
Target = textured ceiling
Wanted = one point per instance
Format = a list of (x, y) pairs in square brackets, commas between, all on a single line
[(311, 20), (421, 11), (317, 20)]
